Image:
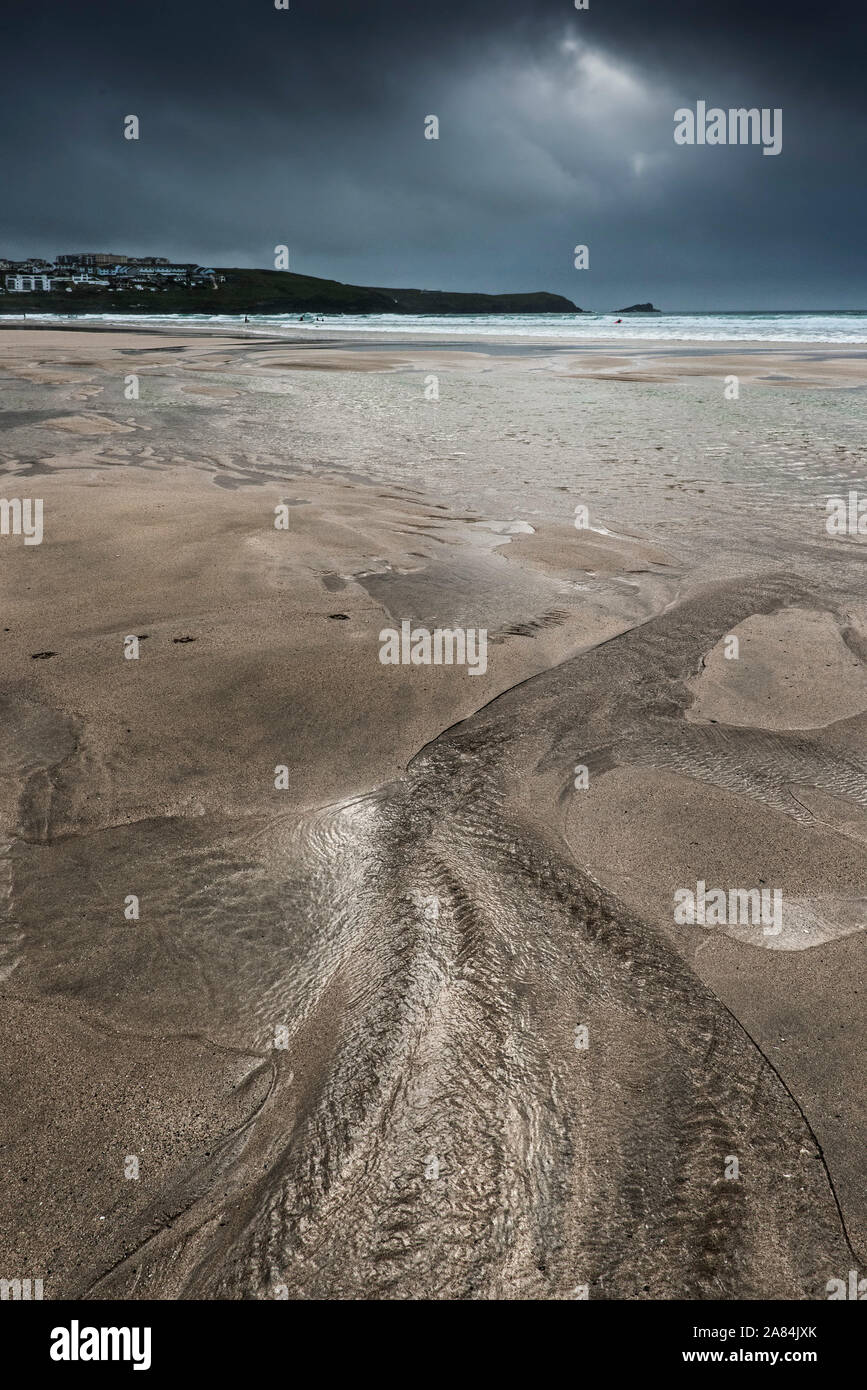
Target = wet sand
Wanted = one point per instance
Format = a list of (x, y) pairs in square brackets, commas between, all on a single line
[(340, 1037)]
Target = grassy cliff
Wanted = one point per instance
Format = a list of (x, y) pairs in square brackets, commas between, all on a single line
[(282, 292)]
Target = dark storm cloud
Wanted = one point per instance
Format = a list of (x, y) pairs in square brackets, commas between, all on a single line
[(305, 127)]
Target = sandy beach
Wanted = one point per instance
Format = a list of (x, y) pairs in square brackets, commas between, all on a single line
[(341, 1035)]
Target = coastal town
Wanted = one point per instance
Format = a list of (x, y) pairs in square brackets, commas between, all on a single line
[(104, 270)]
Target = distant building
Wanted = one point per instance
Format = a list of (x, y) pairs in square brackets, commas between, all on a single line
[(92, 258), (26, 284), (107, 270)]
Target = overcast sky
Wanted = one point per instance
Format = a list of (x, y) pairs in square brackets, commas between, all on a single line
[(305, 127)]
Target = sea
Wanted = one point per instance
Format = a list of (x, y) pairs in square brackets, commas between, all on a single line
[(813, 326)]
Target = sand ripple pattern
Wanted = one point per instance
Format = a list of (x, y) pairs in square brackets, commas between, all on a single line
[(448, 947)]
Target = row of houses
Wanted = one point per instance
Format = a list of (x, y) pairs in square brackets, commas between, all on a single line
[(104, 270)]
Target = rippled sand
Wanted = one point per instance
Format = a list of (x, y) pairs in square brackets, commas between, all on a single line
[(342, 1037)]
